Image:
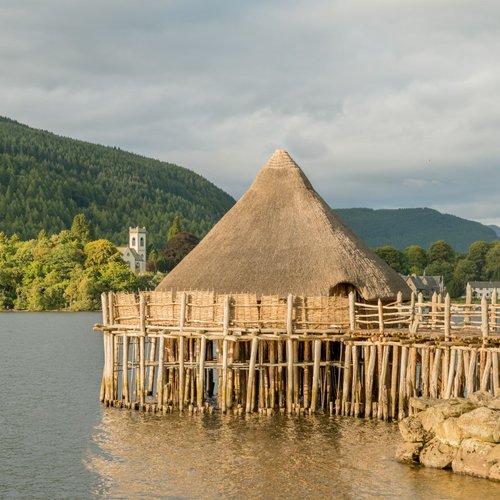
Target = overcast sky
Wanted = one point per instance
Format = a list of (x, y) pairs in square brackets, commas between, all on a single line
[(383, 103)]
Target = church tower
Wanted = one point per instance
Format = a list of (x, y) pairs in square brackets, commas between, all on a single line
[(137, 241)]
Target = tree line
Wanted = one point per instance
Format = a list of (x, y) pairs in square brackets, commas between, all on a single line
[(480, 263), (68, 270)]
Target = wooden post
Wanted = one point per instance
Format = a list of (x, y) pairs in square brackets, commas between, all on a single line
[(125, 395), (394, 379), (289, 354), (369, 380), (355, 381), (447, 317), (468, 302), (434, 310), (315, 380), (486, 373), (496, 379), (305, 378), (494, 310), (382, 385), (380, 317), (200, 386), (142, 371), (412, 308), (352, 311), (470, 372), (402, 385), (251, 374), (451, 374), (458, 380), (484, 319), (347, 379), (104, 306), (435, 373), (160, 373), (399, 303)]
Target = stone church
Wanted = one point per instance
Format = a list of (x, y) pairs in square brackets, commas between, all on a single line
[(135, 254)]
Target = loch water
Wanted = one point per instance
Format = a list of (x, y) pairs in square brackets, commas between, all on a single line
[(58, 441)]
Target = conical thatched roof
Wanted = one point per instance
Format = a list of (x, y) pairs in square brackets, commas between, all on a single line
[(281, 237)]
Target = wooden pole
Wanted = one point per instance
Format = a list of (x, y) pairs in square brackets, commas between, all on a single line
[(251, 374), (105, 322), (354, 384), (434, 307), (369, 379), (200, 386), (380, 317), (468, 302), (352, 311), (402, 385), (486, 373), (347, 379), (447, 317), (315, 380), (125, 395), (161, 372), (289, 354), (451, 374), (394, 380), (484, 319), (495, 372), (435, 373)]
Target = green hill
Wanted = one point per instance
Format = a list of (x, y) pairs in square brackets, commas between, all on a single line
[(45, 180), (413, 226)]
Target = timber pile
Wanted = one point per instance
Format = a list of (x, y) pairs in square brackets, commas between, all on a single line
[(197, 351)]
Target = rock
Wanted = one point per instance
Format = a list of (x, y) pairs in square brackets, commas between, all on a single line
[(455, 407), (412, 431), (494, 455), (449, 432), (494, 404), (495, 472), (472, 458), (481, 423), (438, 455), (408, 453), (421, 404), (430, 419), (481, 398)]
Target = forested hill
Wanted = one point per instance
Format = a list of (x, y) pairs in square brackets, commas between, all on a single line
[(414, 226), (45, 180)]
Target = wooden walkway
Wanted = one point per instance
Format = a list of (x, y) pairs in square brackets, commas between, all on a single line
[(198, 351)]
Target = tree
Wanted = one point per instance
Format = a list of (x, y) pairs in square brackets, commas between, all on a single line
[(177, 248), (80, 229), (492, 262), (465, 271), (441, 251), (100, 252), (175, 228), (393, 257), (477, 255), (416, 259)]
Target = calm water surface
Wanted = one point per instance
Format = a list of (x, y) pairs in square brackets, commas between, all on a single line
[(57, 441)]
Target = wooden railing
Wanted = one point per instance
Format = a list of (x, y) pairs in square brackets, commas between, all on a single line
[(210, 312)]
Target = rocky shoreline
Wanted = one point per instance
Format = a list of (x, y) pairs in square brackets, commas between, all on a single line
[(458, 434)]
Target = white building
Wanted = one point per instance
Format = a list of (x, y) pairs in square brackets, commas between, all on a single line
[(482, 289), (135, 254)]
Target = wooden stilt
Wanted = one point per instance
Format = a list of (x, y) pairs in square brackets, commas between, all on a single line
[(251, 375), (315, 380), (200, 386)]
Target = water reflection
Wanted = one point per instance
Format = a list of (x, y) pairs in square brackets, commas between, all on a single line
[(214, 456)]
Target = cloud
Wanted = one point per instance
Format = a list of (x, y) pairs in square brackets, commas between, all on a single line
[(363, 94)]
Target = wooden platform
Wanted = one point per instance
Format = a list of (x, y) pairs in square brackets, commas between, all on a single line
[(197, 351)]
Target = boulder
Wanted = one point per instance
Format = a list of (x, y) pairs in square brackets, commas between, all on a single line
[(449, 432), (494, 455), (481, 423), (421, 404), (438, 455), (495, 472), (412, 431), (455, 407), (471, 458), (408, 453), (481, 398), (430, 419), (494, 404)]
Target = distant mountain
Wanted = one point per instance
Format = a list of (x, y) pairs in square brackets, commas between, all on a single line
[(45, 180), (496, 229), (414, 226)]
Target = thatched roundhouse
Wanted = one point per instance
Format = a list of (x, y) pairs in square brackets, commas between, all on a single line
[(281, 237)]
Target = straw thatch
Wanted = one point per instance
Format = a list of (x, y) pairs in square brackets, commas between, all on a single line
[(281, 237)]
